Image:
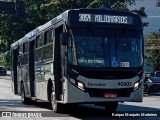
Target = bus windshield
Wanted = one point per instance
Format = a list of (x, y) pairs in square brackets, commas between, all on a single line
[(105, 48)]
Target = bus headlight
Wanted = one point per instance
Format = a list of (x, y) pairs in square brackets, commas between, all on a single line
[(136, 85), (80, 85), (77, 83)]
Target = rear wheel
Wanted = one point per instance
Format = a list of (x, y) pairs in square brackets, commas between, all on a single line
[(111, 106)]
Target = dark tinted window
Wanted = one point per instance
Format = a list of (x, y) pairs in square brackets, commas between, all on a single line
[(48, 51), (25, 47), (107, 48), (39, 41), (48, 37), (39, 54)]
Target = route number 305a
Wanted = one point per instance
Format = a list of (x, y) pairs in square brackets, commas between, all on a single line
[(124, 83), (85, 17)]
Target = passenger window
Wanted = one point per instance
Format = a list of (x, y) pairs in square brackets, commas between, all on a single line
[(48, 36), (25, 47), (39, 41)]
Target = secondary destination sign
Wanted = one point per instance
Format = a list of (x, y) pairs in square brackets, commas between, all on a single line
[(104, 18)]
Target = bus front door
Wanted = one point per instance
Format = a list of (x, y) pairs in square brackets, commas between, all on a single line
[(57, 64), (14, 66), (32, 68)]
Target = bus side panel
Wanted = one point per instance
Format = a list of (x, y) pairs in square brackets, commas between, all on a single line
[(41, 86), (19, 73), (41, 90), (25, 79)]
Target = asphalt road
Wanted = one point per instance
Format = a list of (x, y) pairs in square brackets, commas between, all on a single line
[(12, 103)]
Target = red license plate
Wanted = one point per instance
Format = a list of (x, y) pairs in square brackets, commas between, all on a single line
[(110, 95)]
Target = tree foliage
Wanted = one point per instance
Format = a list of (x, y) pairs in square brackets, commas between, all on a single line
[(153, 41)]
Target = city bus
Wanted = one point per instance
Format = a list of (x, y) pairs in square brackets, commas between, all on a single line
[(92, 56)]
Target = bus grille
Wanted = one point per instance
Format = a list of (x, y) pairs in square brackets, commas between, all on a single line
[(100, 92)]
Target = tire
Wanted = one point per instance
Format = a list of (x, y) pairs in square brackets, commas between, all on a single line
[(111, 106), (56, 107), (24, 99)]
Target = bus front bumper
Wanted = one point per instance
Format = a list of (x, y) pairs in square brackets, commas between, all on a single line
[(74, 94)]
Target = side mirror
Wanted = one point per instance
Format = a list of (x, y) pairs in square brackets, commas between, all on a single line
[(64, 38)]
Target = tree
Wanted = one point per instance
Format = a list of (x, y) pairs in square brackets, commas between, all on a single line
[(13, 28), (112, 4), (153, 41), (62, 5)]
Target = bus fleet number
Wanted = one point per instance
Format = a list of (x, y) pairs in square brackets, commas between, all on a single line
[(124, 83)]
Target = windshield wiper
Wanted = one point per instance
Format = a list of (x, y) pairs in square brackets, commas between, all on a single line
[(116, 45), (120, 36)]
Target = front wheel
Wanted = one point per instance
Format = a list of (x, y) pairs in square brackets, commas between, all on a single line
[(111, 106), (56, 107)]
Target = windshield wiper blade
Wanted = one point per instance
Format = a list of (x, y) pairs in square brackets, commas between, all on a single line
[(120, 36)]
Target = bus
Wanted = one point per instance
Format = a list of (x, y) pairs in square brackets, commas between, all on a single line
[(92, 56)]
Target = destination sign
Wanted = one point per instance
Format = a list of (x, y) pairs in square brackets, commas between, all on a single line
[(104, 18)]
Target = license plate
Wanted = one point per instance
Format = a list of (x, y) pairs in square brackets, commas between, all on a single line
[(110, 95)]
